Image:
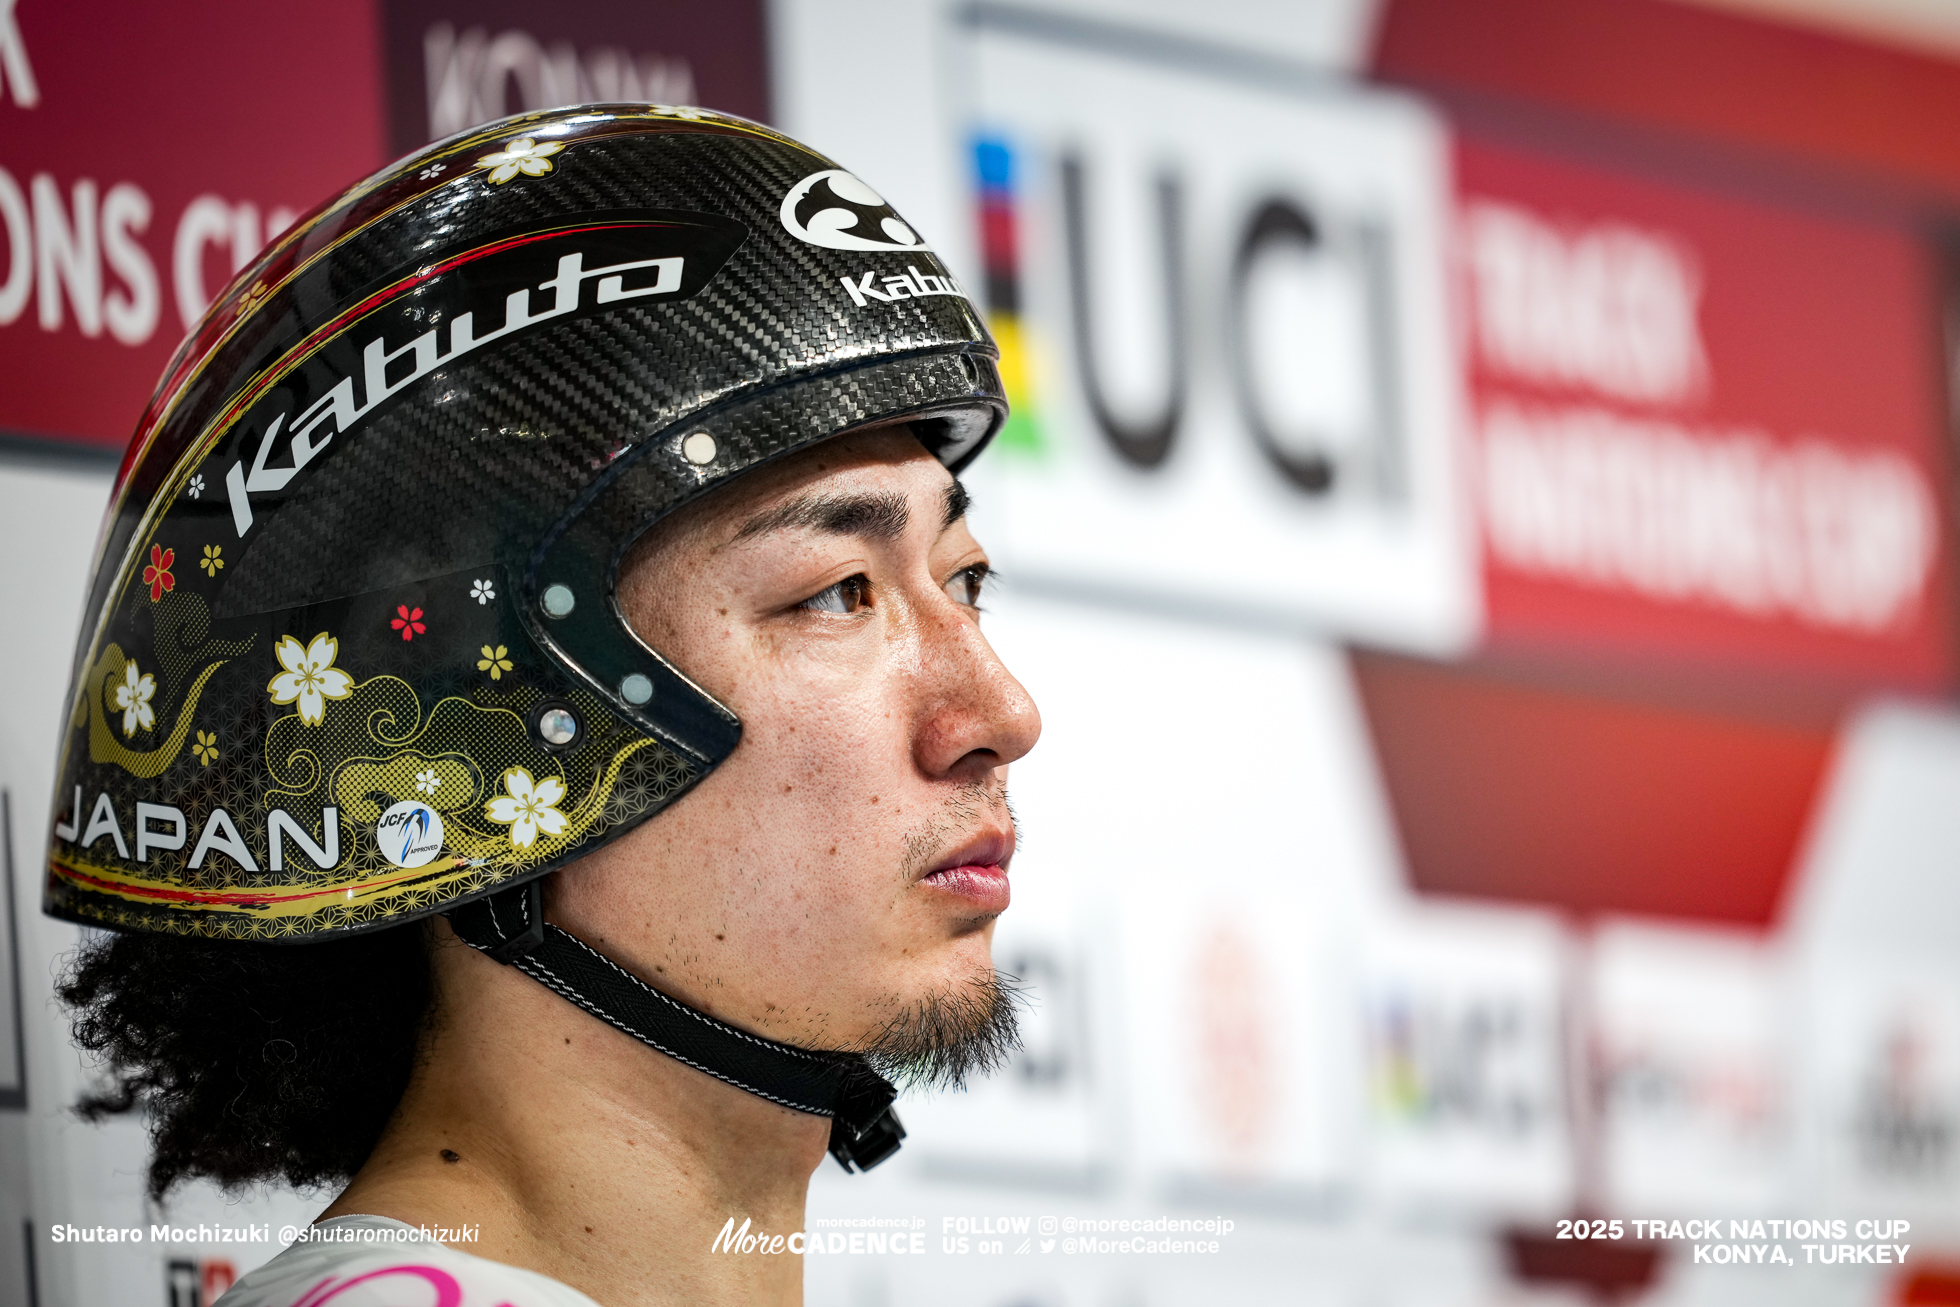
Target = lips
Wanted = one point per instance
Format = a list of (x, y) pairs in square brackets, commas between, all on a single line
[(976, 873)]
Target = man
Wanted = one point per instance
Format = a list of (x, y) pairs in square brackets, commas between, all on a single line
[(576, 465)]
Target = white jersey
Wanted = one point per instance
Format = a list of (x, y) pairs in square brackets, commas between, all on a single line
[(371, 1261)]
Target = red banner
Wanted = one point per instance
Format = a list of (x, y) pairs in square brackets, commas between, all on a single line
[(148, 153), (1707, 430), (455, 63)]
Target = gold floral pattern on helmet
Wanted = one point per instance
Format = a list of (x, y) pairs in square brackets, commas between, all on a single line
[(524, 155), (310, 678), (528, 807), (133, 697), (495, 661)]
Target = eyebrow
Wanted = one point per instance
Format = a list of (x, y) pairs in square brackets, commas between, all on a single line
[(957, 502), (881, 517)]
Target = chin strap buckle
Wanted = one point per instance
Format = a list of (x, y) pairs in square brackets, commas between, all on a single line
[(865, 1130), (861, 1150)]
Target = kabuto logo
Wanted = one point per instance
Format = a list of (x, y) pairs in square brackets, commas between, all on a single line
[(837, 211), (410, 834), (473, 297)]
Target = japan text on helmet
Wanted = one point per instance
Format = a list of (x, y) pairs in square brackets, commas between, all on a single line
[(351, 653)]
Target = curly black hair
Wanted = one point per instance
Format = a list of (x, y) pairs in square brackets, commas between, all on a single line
[(254, 1062)]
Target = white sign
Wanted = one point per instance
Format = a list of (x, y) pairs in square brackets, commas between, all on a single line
[(1466, 1082), (1875, 911), (1222, 306), (1690, 1070)]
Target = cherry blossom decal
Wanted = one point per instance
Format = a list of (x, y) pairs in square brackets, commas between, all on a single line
[(212, 562), (310, 678), (523, 155), (494, 661), (157, 574), (133, 697), (206, 747), (408, 621), (528, 806)]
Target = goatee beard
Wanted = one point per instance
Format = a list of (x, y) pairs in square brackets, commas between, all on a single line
[(949, 1038)]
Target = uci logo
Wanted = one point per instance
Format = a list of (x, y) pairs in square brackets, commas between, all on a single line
[(837, 211), (409, 834)]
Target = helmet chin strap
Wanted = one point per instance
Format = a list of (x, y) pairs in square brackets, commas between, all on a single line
[(510, 927)]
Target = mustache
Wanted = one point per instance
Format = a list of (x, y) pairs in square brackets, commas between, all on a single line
[(967, 809)]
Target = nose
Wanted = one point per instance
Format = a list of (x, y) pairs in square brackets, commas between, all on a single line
[(975, 716)]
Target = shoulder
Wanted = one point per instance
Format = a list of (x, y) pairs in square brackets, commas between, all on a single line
[(370, 1261)]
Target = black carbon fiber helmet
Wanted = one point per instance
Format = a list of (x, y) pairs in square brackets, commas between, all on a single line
[(351, 654)]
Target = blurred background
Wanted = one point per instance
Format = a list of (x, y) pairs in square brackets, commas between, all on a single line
[(1478, 520)]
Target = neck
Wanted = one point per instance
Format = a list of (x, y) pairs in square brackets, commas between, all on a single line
[(581, 1153)]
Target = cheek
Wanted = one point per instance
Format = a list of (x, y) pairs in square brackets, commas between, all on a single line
[(822, 766), (795, 847)]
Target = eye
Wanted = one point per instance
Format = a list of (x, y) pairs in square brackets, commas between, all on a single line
[(966, 585), (850, 595)]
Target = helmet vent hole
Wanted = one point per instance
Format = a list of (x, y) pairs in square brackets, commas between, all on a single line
[(698, 449)]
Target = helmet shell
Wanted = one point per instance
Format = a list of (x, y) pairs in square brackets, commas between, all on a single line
[(351, 653)]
